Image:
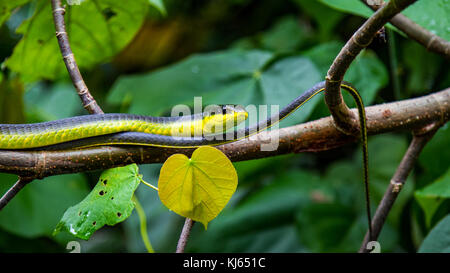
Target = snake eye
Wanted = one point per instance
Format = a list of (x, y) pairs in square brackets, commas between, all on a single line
[(224, 109)]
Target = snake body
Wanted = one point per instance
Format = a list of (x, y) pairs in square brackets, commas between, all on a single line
[(25, 136)]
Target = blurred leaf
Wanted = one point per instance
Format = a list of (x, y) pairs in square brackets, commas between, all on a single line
[(438, 240), (367, 73), (433, 195), (279, 239), (159, 5), (319, 11), (286, 79), (385, 153), (273, 205), (421, 70), (323, 226), (199, 187), (432, 15), (350, 6), (340, 224), (234, 77), (285, 36), (43, 102), (97, 29), (37, 208), (335, 227), (435, 155), (253, 171), (7, 7), (156, 92), (108, 203), (268, 211), (11, 101)]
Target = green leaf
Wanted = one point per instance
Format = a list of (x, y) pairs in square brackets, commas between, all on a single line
[(272, 205), (228, 77), (421, 71), (279, 239), (7, 6), (286, 79), (438, 240), (285, 36), (367, 73), (97, 31), (385, 153), (432, 196), (108, 203), (199, 187), (319, 11), (432, 15), (351, 6), (435, 155), (323, 226), (37, 208), (334, 227), (159, 5), (221, 72)]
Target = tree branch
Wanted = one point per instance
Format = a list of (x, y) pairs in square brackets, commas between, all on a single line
[(9, 195), (87, 100), (313, 136), (430, 41), (343, 117), (398, 180), (184, 236)]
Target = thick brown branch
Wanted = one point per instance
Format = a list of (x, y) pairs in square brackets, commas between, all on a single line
[(430, 41), (88, 101), (313, 136), (397, 182), (344, 119)]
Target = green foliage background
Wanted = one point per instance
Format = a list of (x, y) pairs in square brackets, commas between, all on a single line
[(145, 56)]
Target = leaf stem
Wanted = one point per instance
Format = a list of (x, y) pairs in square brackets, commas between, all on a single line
[(147, 184), (143, 225)]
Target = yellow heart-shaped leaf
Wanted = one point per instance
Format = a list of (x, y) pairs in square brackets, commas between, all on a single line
[(199, 187)]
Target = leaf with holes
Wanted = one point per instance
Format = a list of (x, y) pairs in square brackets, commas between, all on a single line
[(108, 203), (199, 187)]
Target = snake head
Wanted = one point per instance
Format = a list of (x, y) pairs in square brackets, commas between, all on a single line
[(220, 118)]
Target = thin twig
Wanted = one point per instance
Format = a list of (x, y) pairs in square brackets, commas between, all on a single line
[(184, 236), (88, 101), (397, 183), (9, 195), (430, 41), (344, 119)]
